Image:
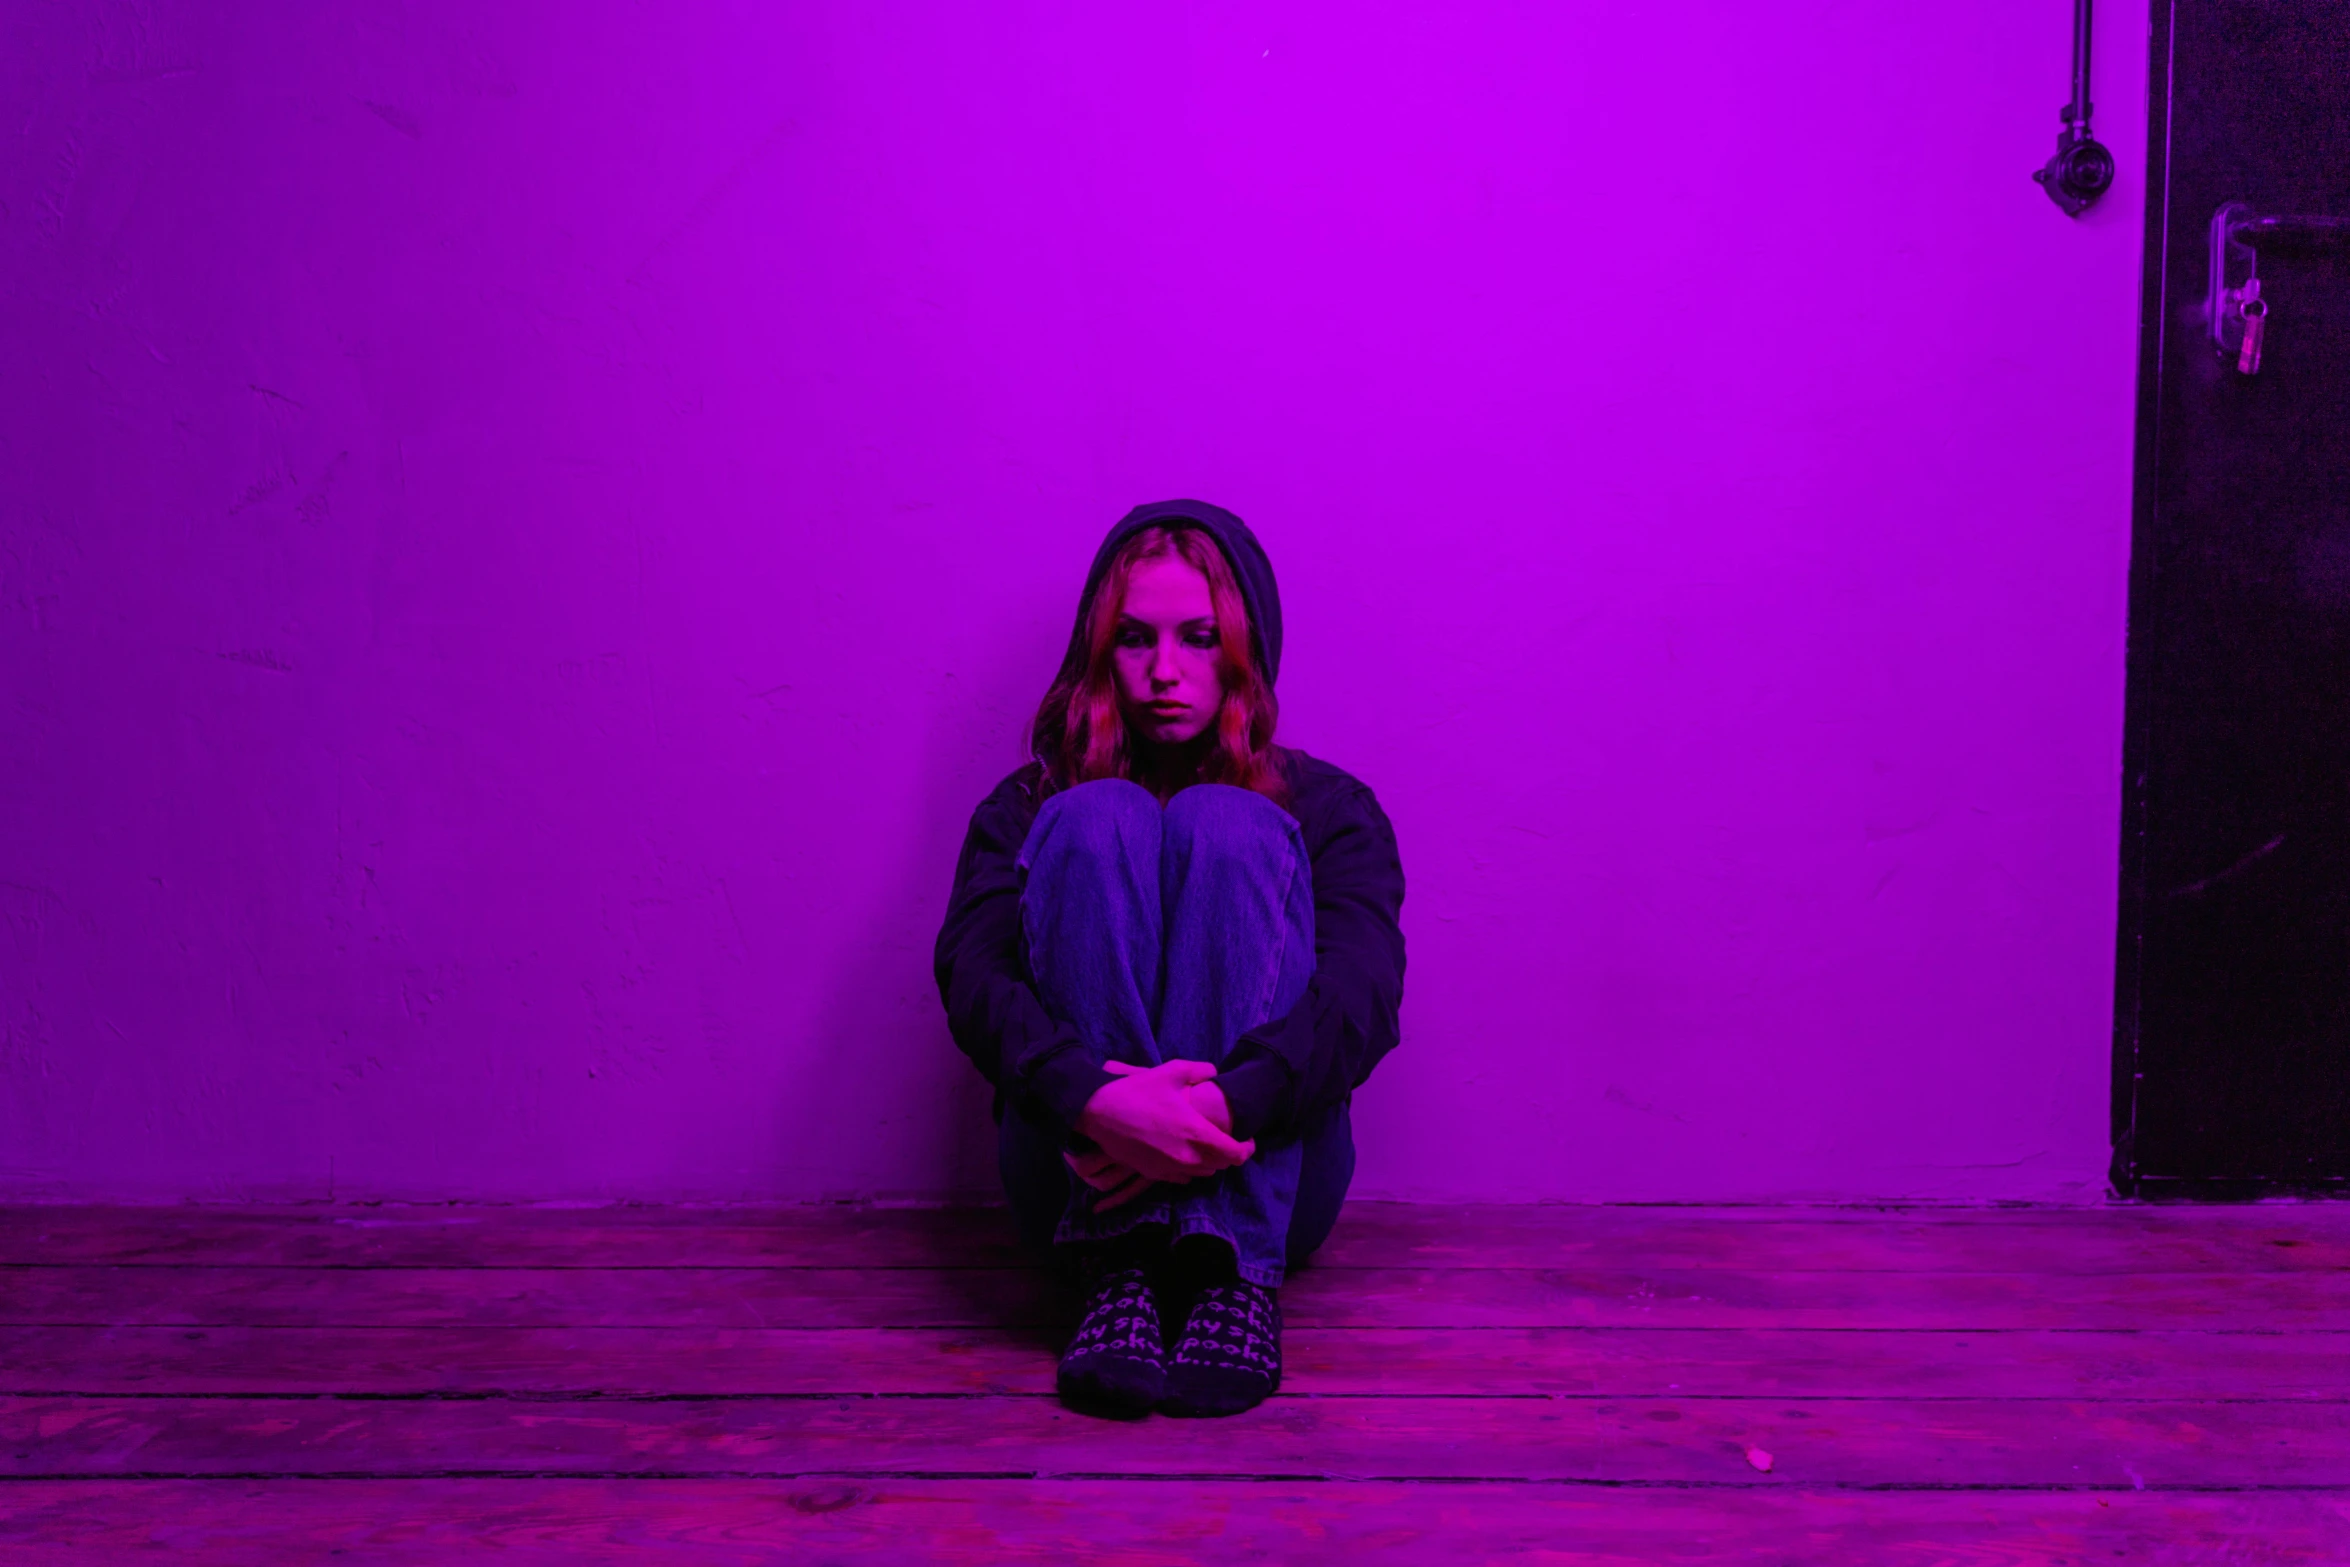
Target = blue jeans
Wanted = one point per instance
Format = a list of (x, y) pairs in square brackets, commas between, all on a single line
[(1165, 933)]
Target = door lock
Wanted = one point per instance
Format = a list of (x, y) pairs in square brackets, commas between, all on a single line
[(2233, 308)]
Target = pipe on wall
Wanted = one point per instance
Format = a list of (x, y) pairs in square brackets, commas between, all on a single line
[(2082, 170)]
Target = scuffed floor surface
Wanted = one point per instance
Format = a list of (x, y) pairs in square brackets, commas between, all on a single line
[(817, 1385)]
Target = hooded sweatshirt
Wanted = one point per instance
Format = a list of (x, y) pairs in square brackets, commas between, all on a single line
[(1282, 1073)]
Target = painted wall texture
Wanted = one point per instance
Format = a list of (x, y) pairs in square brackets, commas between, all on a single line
[(524, 531)]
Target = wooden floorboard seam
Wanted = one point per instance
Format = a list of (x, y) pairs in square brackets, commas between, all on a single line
[(1171, 1477), (475, 1396), (914, 1329)]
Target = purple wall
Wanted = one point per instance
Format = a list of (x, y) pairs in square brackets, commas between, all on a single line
[(523, 537)]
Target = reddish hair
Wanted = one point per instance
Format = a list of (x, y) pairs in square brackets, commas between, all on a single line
[(1079, 734)]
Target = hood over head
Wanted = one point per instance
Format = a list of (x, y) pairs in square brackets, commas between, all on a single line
[(1250, 568)]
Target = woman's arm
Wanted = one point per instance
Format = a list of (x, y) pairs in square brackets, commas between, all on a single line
[(1283, 1073), (992, 1010)]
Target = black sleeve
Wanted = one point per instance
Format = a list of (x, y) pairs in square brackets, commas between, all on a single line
[(1287, 1071), (992, 1009)]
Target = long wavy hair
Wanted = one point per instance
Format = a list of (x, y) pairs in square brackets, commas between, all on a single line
[(1080, 735)]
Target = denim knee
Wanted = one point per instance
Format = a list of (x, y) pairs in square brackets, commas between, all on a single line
[(1096, 820), (1105, 803), (1212, 815)]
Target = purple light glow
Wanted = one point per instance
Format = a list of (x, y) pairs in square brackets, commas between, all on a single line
[(524, 536)]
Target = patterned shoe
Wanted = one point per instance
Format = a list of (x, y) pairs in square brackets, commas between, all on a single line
[(1229, 1357), (1117, 1362)]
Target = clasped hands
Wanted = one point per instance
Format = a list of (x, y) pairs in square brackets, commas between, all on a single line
[(1154, 1123)]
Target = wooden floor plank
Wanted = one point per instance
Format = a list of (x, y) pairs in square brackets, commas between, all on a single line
[(1654, 1441), (2308, 1237), (774, 1236), (981, 1297), (2260, 1238), (555, 1523), (1703, 1362), (543, 1297), (1722, 1298)]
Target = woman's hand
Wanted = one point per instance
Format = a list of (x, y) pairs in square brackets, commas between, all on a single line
[(1155, 1124), (1117, 1184), (1209, 1100)]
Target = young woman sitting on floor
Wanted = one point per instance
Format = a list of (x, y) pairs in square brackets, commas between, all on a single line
[(1172, 947)]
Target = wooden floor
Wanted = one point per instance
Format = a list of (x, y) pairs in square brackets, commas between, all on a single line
[(803, 1385)]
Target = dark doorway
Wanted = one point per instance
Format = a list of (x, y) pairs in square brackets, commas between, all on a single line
[(2232, 1060)]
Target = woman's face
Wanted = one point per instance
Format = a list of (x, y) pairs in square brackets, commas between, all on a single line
[(1169, 662)]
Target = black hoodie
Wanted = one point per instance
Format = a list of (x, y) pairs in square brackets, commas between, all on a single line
[(1282, 1072)]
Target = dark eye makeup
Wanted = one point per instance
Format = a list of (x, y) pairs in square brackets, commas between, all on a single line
[(1198, 634)]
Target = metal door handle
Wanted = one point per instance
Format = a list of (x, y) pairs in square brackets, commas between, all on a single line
[(2238, 235)]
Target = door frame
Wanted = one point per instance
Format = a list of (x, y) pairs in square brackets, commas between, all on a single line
[(2142, 675)]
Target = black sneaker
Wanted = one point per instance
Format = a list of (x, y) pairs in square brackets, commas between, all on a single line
[(1229, 1356), (1116, 1364)]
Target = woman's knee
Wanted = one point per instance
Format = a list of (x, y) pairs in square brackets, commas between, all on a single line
[(1221, 814), (1107, 818)]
